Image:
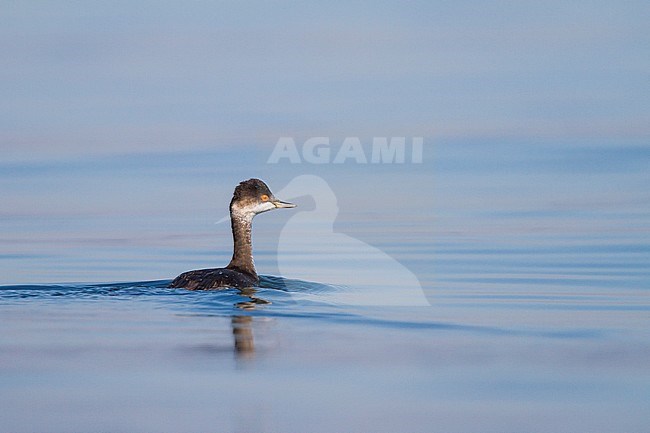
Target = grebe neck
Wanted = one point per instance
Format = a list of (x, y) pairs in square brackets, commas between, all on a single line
[(242, 257)]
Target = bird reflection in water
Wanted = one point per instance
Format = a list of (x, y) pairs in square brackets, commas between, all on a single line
[(242, 326), (243, 333)]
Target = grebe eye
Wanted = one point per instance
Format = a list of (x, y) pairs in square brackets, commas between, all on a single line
[(264, 197)]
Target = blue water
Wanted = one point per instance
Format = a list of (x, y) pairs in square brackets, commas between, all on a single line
[(534, 260), (143, 357)]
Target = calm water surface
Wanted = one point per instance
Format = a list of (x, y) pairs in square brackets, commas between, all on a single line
[(534, 261)]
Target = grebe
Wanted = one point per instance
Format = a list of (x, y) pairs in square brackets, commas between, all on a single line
[(250, 198)]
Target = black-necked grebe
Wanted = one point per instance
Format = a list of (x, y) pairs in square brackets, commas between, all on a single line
[(251, 197)]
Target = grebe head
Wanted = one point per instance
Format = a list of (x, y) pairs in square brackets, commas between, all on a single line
[(252, 196)]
